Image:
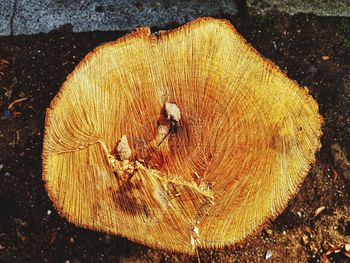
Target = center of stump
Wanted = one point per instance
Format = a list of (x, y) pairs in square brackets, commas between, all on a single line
[(144, 188)]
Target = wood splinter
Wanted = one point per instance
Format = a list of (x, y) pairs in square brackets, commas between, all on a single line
[(173, 116), (172, 111), (123, 148), (195, 238)]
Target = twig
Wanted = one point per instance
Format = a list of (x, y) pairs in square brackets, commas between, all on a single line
[(15, 102)]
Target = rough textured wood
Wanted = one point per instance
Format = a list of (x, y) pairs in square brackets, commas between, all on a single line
[(245, 140)]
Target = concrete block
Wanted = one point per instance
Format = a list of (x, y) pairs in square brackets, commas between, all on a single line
[(6, 16), (33, 17), (317, 7)]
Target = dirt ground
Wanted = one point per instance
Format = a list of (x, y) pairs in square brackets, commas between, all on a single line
[(314, 51)]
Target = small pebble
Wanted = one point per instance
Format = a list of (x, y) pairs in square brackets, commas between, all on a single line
[(49, 212), (305, 239), (347, 250), (274, 45), (319, 210), (269, 232), (7, 174), (1, 166), (347, 247), (268, 254)]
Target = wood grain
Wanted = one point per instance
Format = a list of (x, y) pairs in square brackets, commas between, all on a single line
[(245, 141)]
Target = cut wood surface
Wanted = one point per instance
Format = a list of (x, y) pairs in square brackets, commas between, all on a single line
[(179, 140)]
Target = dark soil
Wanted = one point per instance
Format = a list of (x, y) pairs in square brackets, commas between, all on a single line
[(312, 50)]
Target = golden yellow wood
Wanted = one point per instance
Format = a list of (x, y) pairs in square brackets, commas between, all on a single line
[(243, 142)]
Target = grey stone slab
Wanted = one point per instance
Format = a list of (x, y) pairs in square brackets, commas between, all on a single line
[(6, 13), (318, 7), (45, 15)]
